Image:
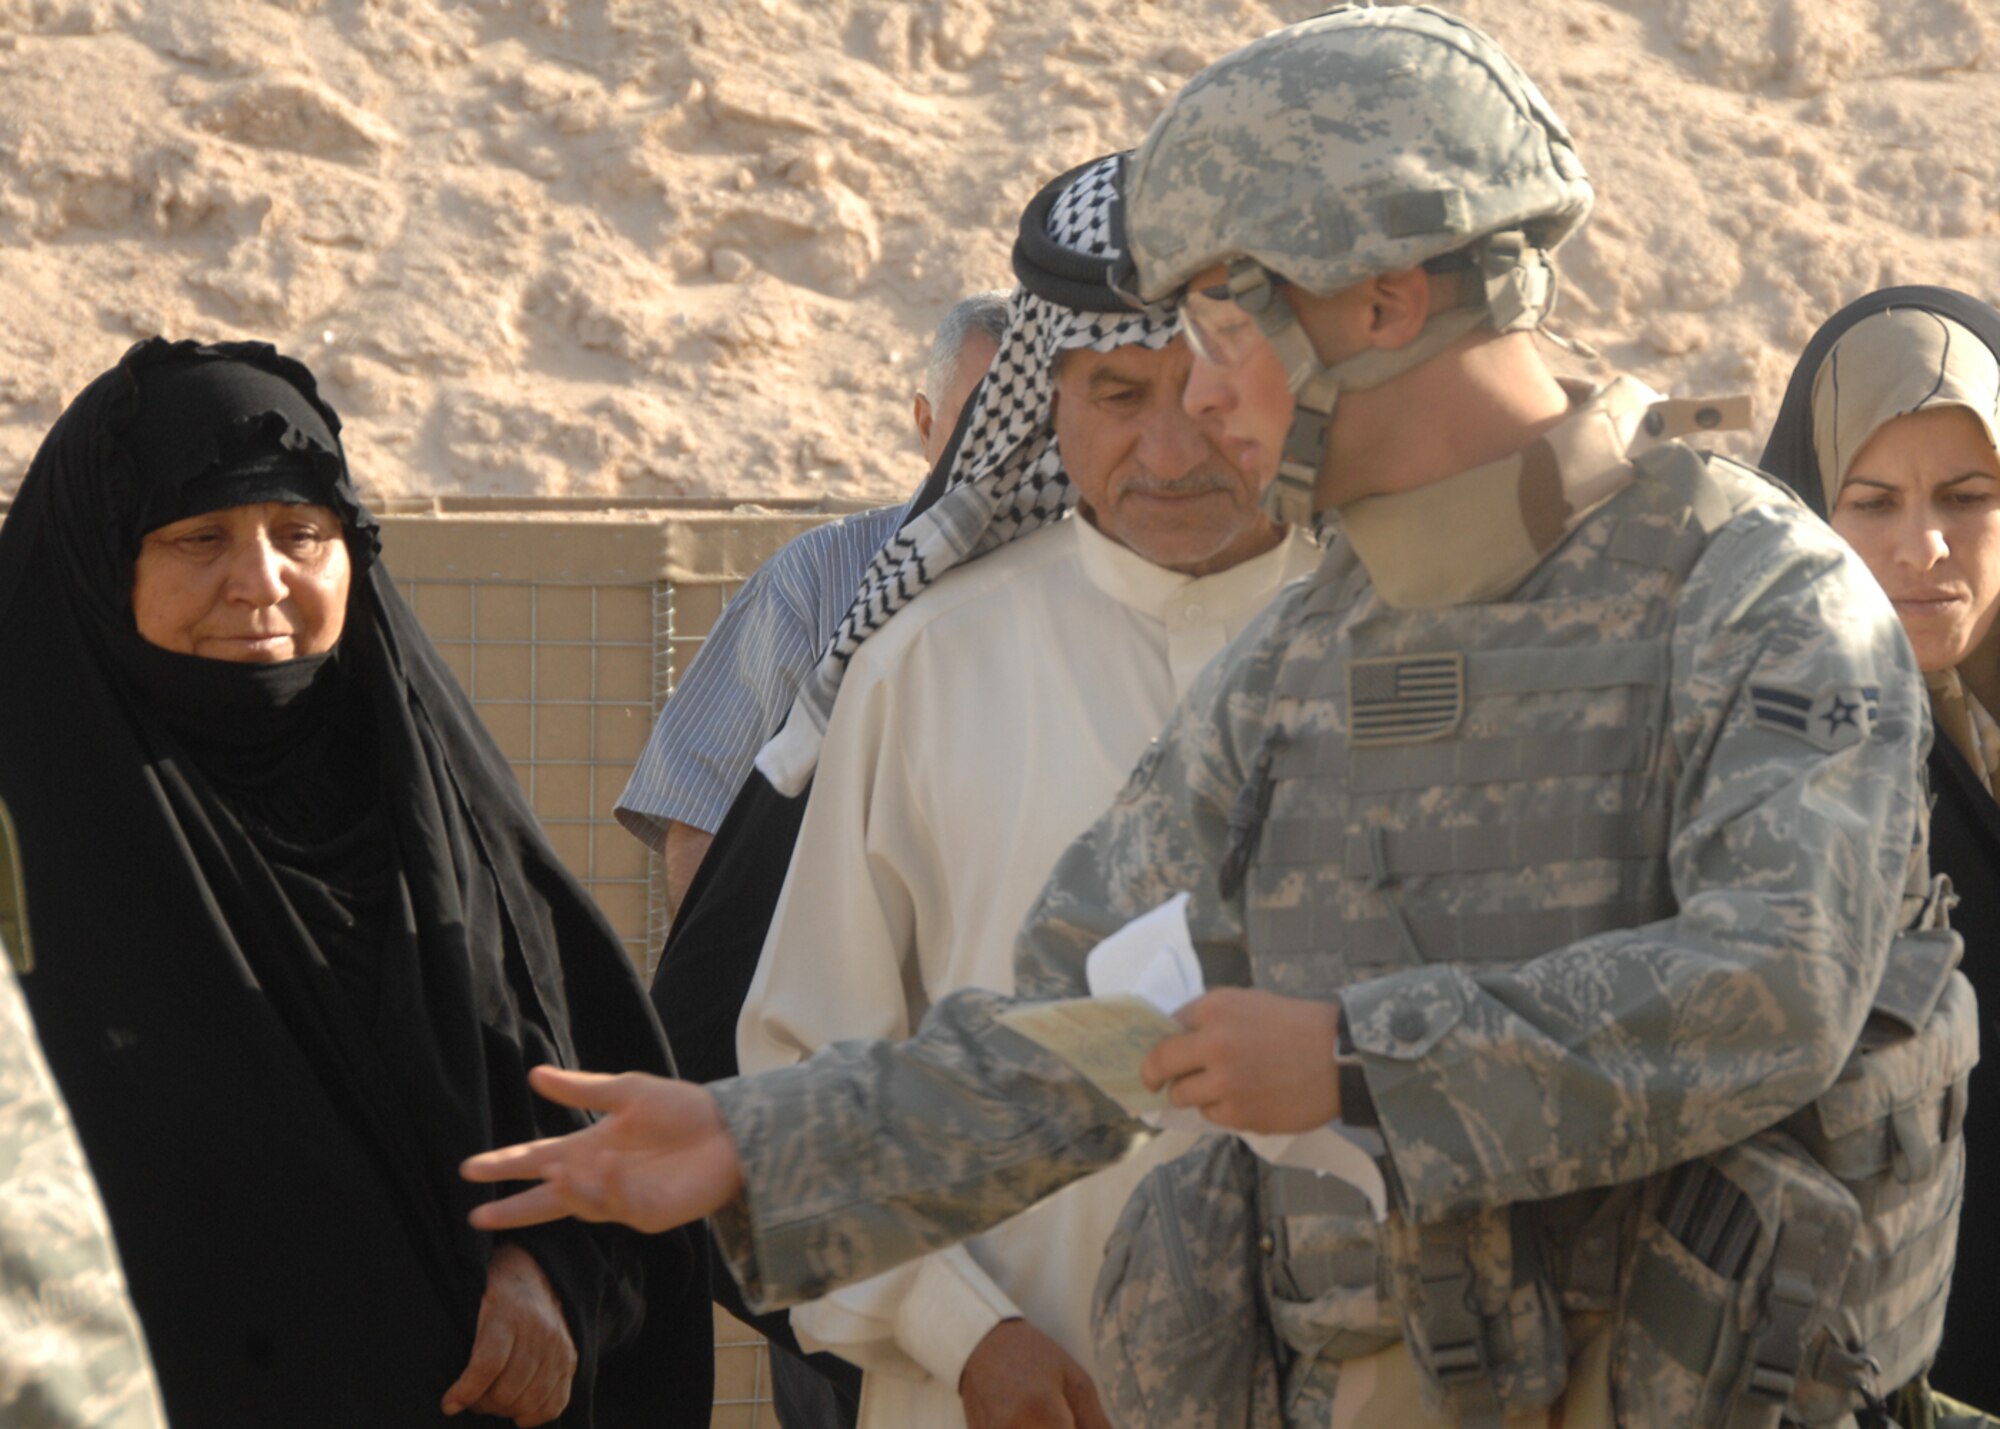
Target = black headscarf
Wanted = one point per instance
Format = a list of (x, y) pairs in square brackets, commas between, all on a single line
[(1965, 843), (299, 939)]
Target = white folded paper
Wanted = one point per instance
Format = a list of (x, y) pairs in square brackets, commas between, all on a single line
[(1139, 977), (1151, 957)]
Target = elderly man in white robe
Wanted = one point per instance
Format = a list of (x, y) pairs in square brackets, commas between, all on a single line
[(974, 736)]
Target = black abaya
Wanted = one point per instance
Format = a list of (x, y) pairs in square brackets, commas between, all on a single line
[(274, 1087)]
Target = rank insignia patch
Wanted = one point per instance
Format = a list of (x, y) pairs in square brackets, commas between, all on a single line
[(1826, 719), (1404, 699)]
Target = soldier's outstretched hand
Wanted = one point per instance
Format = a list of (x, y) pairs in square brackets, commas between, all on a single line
[(1252, 1060), (660, 1157)]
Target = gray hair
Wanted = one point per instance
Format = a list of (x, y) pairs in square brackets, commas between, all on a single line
[(982, 312)]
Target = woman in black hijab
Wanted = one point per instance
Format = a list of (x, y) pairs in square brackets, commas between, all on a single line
[(299, 937), (1887, 428)]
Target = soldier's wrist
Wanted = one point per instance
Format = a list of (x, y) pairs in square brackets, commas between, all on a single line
[(1357, 1103)]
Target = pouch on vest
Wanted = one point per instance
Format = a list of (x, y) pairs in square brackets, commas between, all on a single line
[(1323, 1285), (1734, 1271), (1889, 1129), (1479, 1314), (1804, 1273), (1182, 1339)]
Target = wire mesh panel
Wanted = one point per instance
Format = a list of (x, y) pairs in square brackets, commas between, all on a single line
[(742, 1377), (569, 630), (563, 676)]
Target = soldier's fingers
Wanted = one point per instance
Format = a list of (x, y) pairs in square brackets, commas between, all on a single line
[(524, 1161), (1175, 1057), (1230, 1115), (531, 1207), (1194, 1014), (1197, 1090), (587, 1091), (1222, 1007)]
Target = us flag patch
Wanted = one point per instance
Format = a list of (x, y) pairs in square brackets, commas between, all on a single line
[(1825, 719), (1404, 699)]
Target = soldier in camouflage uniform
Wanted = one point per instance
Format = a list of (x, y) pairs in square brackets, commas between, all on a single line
[(1561, 838), (71, 1354)]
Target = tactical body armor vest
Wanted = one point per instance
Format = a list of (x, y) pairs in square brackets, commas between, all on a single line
[(1482, 783)]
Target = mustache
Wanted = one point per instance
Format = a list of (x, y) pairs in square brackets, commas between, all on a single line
[(1195, 483)]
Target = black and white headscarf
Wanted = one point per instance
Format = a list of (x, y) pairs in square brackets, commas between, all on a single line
[(1007, 477)]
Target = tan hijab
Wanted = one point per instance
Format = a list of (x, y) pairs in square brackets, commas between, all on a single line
[(1964, 721), (1888, 365)]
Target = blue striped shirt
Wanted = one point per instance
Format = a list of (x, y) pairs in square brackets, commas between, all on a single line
[(740, 685)]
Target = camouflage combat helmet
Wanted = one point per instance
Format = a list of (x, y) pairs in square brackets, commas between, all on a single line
[(1359, 142)]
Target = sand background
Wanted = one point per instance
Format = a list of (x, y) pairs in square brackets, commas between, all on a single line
[(694, 248)]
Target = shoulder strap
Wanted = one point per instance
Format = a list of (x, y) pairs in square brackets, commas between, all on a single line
[(1712, 488), (1692, 496)]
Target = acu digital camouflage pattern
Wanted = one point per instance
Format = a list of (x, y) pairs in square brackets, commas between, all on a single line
[(1330, 162), (1615, 921), (1174, 1302), (71, 1354)]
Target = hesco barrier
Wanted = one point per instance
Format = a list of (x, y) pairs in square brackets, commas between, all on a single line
[(568, 622), (568, 627)]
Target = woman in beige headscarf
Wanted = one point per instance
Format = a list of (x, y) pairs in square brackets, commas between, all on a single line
[(1889, 430)]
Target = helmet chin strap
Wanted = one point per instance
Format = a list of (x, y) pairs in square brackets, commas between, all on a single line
[(1504, 283)]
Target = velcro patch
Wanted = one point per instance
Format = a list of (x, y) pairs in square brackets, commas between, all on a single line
[(1404, 699), (1825, 719)]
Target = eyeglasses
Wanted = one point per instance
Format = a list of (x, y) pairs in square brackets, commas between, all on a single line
[(1220, 330)]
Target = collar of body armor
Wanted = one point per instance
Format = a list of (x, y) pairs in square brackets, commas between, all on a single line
[(1477, 535), (1503, 282)]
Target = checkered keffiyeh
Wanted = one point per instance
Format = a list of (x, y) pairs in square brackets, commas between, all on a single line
[(1006, 480)]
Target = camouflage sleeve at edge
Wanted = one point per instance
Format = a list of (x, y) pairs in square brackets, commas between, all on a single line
[(870, 1154), (1628, 1052), (71, 1354), (873, 1153)]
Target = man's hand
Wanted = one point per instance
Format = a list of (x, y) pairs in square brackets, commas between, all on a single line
[(661, 1157), (1019, 1378), (1252, 1061), (522, 1356)]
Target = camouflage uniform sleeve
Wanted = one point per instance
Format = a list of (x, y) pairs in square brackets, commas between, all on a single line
[(1631, 1051), (870, 1154), (71, 1354)]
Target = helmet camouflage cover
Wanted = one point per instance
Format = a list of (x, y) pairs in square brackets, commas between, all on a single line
[(1362, 141)]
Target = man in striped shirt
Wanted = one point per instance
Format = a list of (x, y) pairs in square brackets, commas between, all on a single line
[(740, 685)]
